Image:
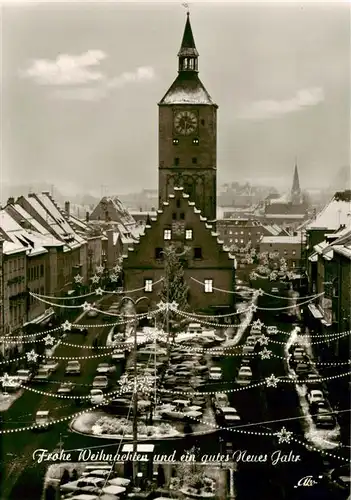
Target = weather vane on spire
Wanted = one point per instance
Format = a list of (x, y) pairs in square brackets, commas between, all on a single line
[(186, 5)]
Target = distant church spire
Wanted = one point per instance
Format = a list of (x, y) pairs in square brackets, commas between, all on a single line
[(188, 55), (296, 190)]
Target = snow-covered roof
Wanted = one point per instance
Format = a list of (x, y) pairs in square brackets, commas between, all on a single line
[(284, 216), (286, 240), (10, 248), (274, 229), (33, 242), (31, 220), (187, 89), (332, 216)]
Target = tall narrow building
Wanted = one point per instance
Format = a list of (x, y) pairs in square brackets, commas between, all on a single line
[(188, 134)]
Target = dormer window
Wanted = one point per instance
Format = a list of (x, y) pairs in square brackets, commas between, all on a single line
[(167, 234)]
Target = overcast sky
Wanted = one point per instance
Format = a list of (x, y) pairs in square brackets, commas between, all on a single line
[(81, 82)]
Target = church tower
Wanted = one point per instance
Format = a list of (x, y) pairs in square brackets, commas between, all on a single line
[(296, 195), (188, 134)]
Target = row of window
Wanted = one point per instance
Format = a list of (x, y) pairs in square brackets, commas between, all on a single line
[(241, 232), (196, 141), (208, 285), (167, 234), (16, 264), (176, 161), (16, 314), (35, 272)]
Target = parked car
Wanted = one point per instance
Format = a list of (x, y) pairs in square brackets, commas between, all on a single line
[(244, 375), (248, 349), (219, 400), (51, 365), (42, 419), (84, 485), (105, 369), (313, 380), (215, 373), (42, 375), (228, 416), (251, 340), (302, 369), (100, 382), (73, 368), (324, 419), (96, 396), (271, 330), (24, 375), (65, 388), (314, 396), (118, 355)]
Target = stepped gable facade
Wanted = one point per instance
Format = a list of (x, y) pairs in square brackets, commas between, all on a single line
[(208, 265)]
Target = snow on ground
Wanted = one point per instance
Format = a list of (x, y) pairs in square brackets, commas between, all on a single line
[(243, 326), (6, 399), (321, 438)]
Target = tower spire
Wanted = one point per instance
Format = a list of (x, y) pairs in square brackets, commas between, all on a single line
[(188, 55), (296, 190)]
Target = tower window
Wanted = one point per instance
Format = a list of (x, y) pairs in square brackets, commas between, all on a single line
[(167, 234), (197, 253), (182, 215), (158, 253), (176, 161), (178, 203), (208, 286), (148, 285), (188, 234), (174, 216), (175, 141), (202, 122), (196, 141), (194, 160)]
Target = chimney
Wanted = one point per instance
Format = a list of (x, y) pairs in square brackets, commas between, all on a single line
[(11, 201), (87, 217), (67, 208), (153, 209)]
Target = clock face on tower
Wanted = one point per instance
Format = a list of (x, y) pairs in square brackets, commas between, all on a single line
[(185, 122)]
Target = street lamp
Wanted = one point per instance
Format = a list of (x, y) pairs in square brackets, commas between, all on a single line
[(135, 394)]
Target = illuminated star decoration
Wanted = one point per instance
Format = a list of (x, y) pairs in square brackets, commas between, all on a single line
[(99, 269), (272, 381), (32, 356), (96, 429), (7, 380), (265, 353), (263, 340), (257, 324), (113, 277), (260, 292), (95, 279), (49, 340), (284, 436), (99, 291), (78, 279), (86, 306), (253, 276), (66, 326), (252, 307)]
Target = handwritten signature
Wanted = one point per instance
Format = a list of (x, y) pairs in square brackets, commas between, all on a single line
[(306, 481)]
